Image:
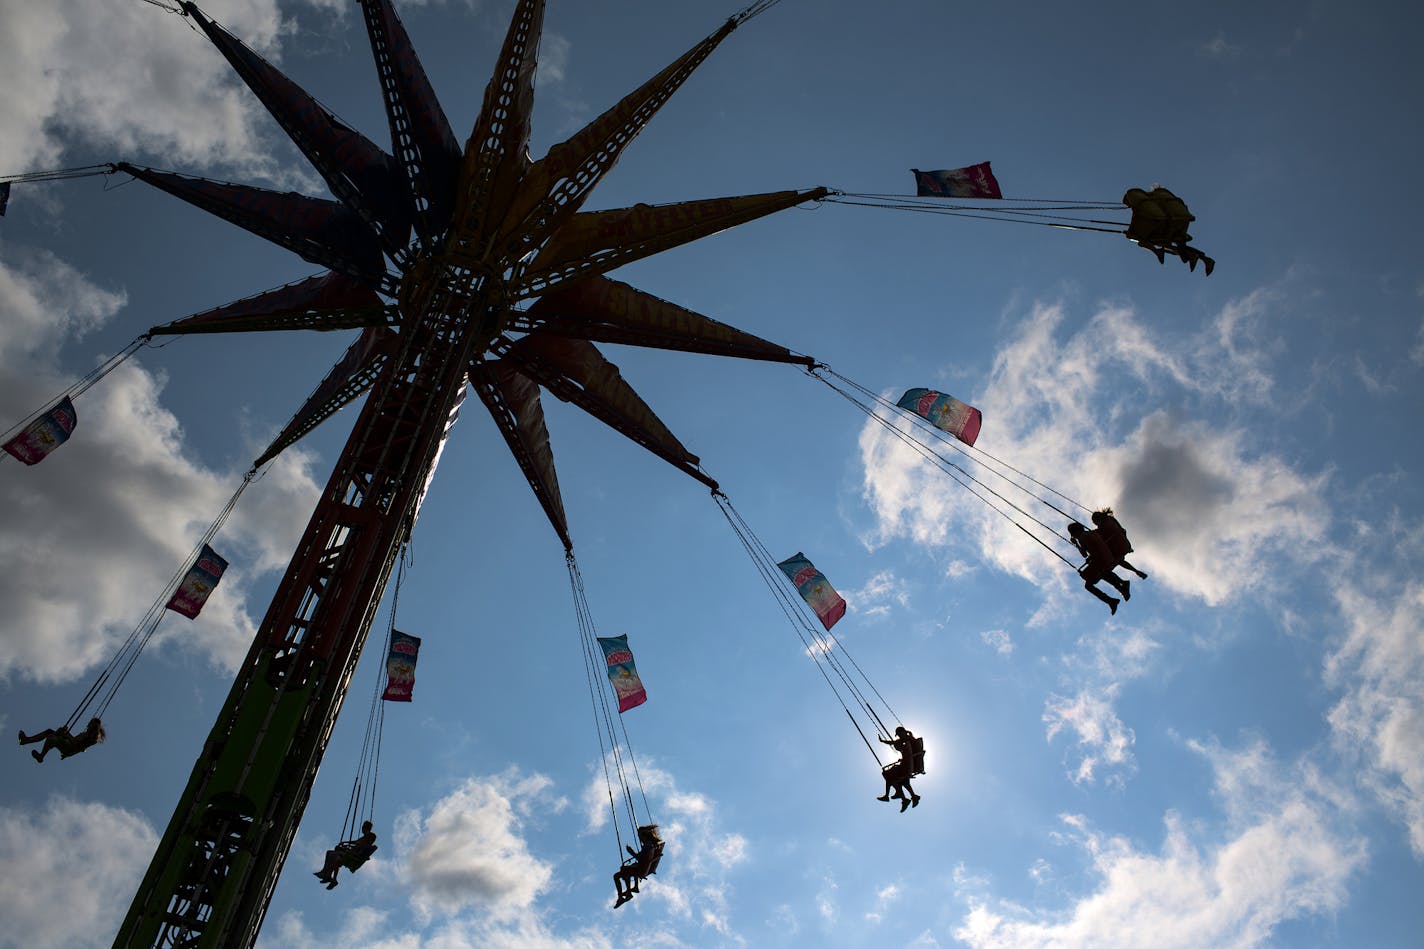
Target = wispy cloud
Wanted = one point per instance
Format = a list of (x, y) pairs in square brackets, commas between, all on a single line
[(1379, 666), (998, 640), (1416, 353), (367, 927), (1098, 668), (1219, 47), (880, 594), (884, 898), (67, 870), (1101, 738), (554, 51), (1283, 856)]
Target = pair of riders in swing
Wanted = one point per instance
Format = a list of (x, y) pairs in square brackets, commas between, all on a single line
[(897, 774), (1106, 547), (1159, 224)]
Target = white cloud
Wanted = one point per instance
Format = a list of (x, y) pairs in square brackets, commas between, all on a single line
[(998, 640), (826, 901), (1218, 47), (879, 595), (67, 871), (46, 303), (83, 557), (1102, 740), (1416, 353), (1231, 360), (1206, 507), (474, 881), (1282, 858), (1380, 666), (700, 853), (468, 850), (369, 928), (1113, 657), (132, 79), (966, 881), (1099, 665), (359, 929), (884, 897), (553, 57), (1212, 517)]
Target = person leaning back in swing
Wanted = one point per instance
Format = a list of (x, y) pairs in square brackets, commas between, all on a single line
[(351, 854), (897, 774), (61, 739), (1099, 566), (1106, 524), (641, 863)]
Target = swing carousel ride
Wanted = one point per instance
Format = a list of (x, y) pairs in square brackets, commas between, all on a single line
[(459, 267)]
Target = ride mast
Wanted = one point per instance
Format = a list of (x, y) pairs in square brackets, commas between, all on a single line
[(491, 229)]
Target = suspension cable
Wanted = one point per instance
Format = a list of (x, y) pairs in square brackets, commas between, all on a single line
[(620, 754), (819, 646), (106, 685), (969, 451), (1008, 215), (826, 642), (80, 386), (60, 174), (754, 9), (368, 766), (957, 473), (1101, 204), (593, 656)]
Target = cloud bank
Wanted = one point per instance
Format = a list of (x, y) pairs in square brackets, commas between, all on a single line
[(1282, 857), (134, 79), (82, 557), (68, 871), (1206, 505)]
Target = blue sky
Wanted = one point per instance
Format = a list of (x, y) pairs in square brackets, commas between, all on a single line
[(1235, 759)]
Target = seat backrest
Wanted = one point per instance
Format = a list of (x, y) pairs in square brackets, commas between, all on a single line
[(353, 856), (654, 859)]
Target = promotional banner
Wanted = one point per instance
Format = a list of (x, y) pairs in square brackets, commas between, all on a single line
[(814, 588), (944, 412), (44, 434), (202, 577), (972, 181), (400, 667), (622, 673)]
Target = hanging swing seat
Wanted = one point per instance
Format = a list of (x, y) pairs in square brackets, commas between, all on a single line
[(639, 866), (1159, 223), (353, 855), (917, 756), (912, 765), (645, 863)]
